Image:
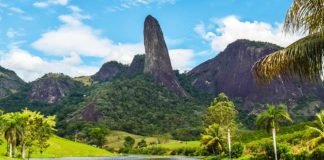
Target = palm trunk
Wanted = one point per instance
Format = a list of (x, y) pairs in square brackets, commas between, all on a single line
[(229, 142), (274, 142), (10, 149), (23, 151)]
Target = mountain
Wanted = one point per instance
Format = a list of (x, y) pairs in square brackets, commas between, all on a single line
[(52, 87), (9, 82), (230, 72), (157, 59), (108, 71), (136, 67)]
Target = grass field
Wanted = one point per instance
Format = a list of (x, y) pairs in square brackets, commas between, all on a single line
[(115, 139), (60, 147)]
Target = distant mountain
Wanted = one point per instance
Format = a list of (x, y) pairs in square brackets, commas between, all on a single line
[(9, 82), (52, 87), (230, 72), (109, 70)]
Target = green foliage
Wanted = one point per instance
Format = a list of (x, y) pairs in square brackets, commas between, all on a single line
[(283, 151), (28, 130), (213, 139), (129, 142), (318, 153), (141, 144), (271, 118), (138, 105), (221, 111), (186, 134), (237, 150)]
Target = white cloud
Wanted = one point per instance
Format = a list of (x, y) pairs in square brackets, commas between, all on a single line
[(182, 59), (74, 36), (16, 10), (44, 4), (11, 33), (230, 28), (30, 67), (126, 4)]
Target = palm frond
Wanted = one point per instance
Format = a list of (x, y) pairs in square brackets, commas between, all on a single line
[(302, 59), (306, 16)]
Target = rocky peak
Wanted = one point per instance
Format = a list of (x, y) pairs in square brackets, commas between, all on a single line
[(9, 82), (109, 70), (137, 66), (157, 60), (230, 72), (52, 87)]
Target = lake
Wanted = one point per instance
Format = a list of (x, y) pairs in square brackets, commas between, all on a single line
[(119, 158)]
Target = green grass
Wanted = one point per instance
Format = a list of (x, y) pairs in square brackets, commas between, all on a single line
[(180, 144), (115, 139), (60, 147)]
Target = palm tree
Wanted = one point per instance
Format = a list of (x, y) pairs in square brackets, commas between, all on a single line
[(270, 120), (12, 128), (303, 58), (319, 129), (213, 138)]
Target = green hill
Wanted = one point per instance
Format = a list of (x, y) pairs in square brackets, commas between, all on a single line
[(60, 147)]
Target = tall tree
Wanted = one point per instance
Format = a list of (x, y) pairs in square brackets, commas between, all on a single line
[(222, 111), (303, 58), (270, 119), (12, 128), (318, 128), (213, 139)]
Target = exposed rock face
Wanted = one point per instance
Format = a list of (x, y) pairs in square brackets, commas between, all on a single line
[(52, 87), (230, 72), (157, 60), (9, 82), (136, 67), (109, 70)]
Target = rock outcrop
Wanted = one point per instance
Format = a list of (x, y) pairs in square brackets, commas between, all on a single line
[(9, 82), (157, 60), (52, 87), (109, 70), (136, 67), (230, 72)]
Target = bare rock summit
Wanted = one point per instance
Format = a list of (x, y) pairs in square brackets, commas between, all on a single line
[(157, 60)]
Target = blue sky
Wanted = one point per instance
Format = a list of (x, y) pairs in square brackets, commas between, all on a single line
[(76, 37)]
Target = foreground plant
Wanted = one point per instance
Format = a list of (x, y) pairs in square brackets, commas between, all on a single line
[(318, 128), (303, 58), (270, 119)]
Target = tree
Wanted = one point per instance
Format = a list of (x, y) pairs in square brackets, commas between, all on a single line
[(270, 120), (222, 112), (303, 58), (142, 144), (129, 142), (97, 136), (213, 139), (12, 128), (318, 128), (26, 129)]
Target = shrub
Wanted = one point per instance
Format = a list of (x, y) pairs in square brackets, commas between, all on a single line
[(237, 150), (304, 155), (318, 153), (283, 151)]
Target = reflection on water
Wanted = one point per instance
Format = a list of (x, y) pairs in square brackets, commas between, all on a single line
[(119, 158)]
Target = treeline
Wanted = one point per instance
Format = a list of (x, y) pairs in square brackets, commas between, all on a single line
[(26, 132)]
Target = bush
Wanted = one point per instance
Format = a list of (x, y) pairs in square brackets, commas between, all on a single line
[(304, 155), (283, 151), (237, 150), (149, 150), (318, 153)]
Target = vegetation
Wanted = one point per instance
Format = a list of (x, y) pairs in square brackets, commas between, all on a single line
[(318, 129), (223, 113), (27, 130), (270, 120), (302, 58)]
